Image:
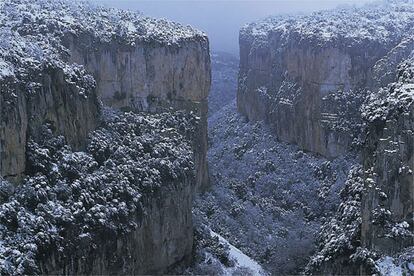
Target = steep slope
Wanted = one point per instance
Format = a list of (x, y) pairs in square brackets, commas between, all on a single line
[(122, 206), (326, 82), (138, 63), (373, 230), (95, 190), (307, 76), (388, 161), (119, 207)]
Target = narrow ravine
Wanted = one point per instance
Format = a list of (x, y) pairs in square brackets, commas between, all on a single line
[(268, 199)]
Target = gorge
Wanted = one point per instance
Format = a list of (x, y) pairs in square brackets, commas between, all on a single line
[(127, 147)]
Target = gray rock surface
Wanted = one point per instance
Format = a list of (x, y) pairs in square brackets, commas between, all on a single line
[(61, 64), (374, 223), (388, 160), (138, 63), (47, 96), (299, 74), (151, 77), (163, 239)]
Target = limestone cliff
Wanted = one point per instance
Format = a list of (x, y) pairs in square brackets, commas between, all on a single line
[(374, 223), (121, 194), (121, 206), (388, 160), (46, 96), (307, 76), (327, 83), (138, 63), (150, 76)]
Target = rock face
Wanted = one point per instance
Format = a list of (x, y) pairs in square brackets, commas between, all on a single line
[(61, 64), (388, 160), (54, 100), (135, 67), (162, 240), (374, 221), (152, 77), (307, 76), (121, 206), (327, 82)]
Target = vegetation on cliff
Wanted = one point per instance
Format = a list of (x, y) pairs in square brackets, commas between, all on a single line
[(380, 21), (31, 32), (343, 245), (71, 200)]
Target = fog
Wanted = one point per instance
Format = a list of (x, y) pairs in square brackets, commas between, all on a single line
[(221, 20)]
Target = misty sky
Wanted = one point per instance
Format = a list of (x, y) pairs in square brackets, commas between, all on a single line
[(222, 19)]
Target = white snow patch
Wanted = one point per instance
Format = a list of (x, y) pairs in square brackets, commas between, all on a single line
[(394, 267), (6, 70), (387, 267), (241, 259), (130, 27), (68, 19)]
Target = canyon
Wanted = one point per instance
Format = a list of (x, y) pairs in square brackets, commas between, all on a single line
[(126, 147)]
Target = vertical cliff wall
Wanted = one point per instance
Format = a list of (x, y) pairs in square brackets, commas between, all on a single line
[(307, 76), (45, 96), (138, 64), (122, 206), (388, 160), (118, 199), (375, 219), (327, 83), (163, 238), (151, 76)]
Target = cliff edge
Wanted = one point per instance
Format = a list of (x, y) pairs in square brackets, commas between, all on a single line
[(103, 138), (307, 76)]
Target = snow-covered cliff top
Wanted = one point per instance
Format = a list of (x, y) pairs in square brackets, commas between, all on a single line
[(381, 21), (31, 30)]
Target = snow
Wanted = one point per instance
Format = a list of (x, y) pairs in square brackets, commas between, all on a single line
[(99, 190), (268, 198), (131, 27), (6, 69), (241, 259), (396, 97), (390, 267), (381, 21), (68, 19), (31, 31)]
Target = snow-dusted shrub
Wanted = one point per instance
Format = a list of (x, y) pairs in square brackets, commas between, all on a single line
[(264, 198), (391, 100), (74, 198), (341, 234)]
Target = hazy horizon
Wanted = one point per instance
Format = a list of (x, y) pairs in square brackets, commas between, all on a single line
[(228, 15)]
